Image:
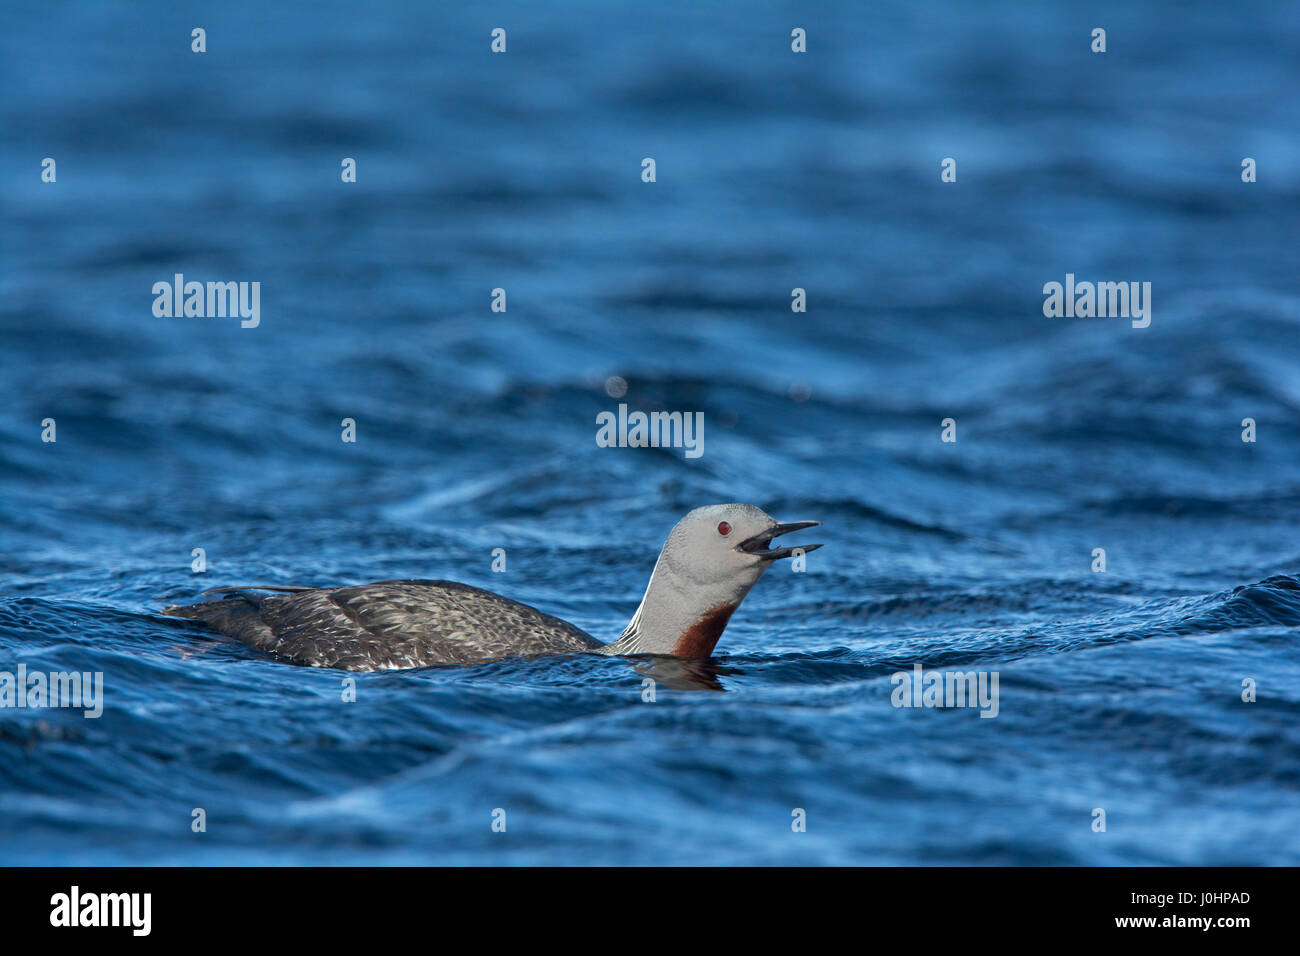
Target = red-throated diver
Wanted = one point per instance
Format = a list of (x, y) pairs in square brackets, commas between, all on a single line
[(708, 564)]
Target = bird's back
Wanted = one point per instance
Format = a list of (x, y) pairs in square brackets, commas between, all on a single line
[(386, 625)]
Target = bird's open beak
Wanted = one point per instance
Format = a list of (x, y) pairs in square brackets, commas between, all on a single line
[(760, 544)]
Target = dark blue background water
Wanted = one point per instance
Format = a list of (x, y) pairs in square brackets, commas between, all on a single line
[(476, 430)]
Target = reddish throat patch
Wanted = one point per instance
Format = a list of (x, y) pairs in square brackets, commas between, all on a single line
[(702, 636)]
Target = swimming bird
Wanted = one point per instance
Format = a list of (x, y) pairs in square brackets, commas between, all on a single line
[(711, 559)]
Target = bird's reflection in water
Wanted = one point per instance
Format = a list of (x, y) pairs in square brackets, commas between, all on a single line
[(681, 673)]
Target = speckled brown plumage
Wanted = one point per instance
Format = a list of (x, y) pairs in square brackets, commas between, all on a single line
[(386, 625)]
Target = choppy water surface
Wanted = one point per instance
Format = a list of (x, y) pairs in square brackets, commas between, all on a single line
[(476, 429)]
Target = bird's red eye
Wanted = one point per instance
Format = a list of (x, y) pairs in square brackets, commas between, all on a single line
[(724, 529)]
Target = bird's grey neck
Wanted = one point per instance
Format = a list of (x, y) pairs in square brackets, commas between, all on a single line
[(675, 618)]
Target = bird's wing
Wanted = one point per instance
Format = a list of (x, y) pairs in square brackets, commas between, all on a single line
[(391, 624)]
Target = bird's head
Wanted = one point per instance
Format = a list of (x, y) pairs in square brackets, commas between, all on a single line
[(711, 559)]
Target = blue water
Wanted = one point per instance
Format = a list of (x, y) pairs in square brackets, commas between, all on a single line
[(1119, 690)]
